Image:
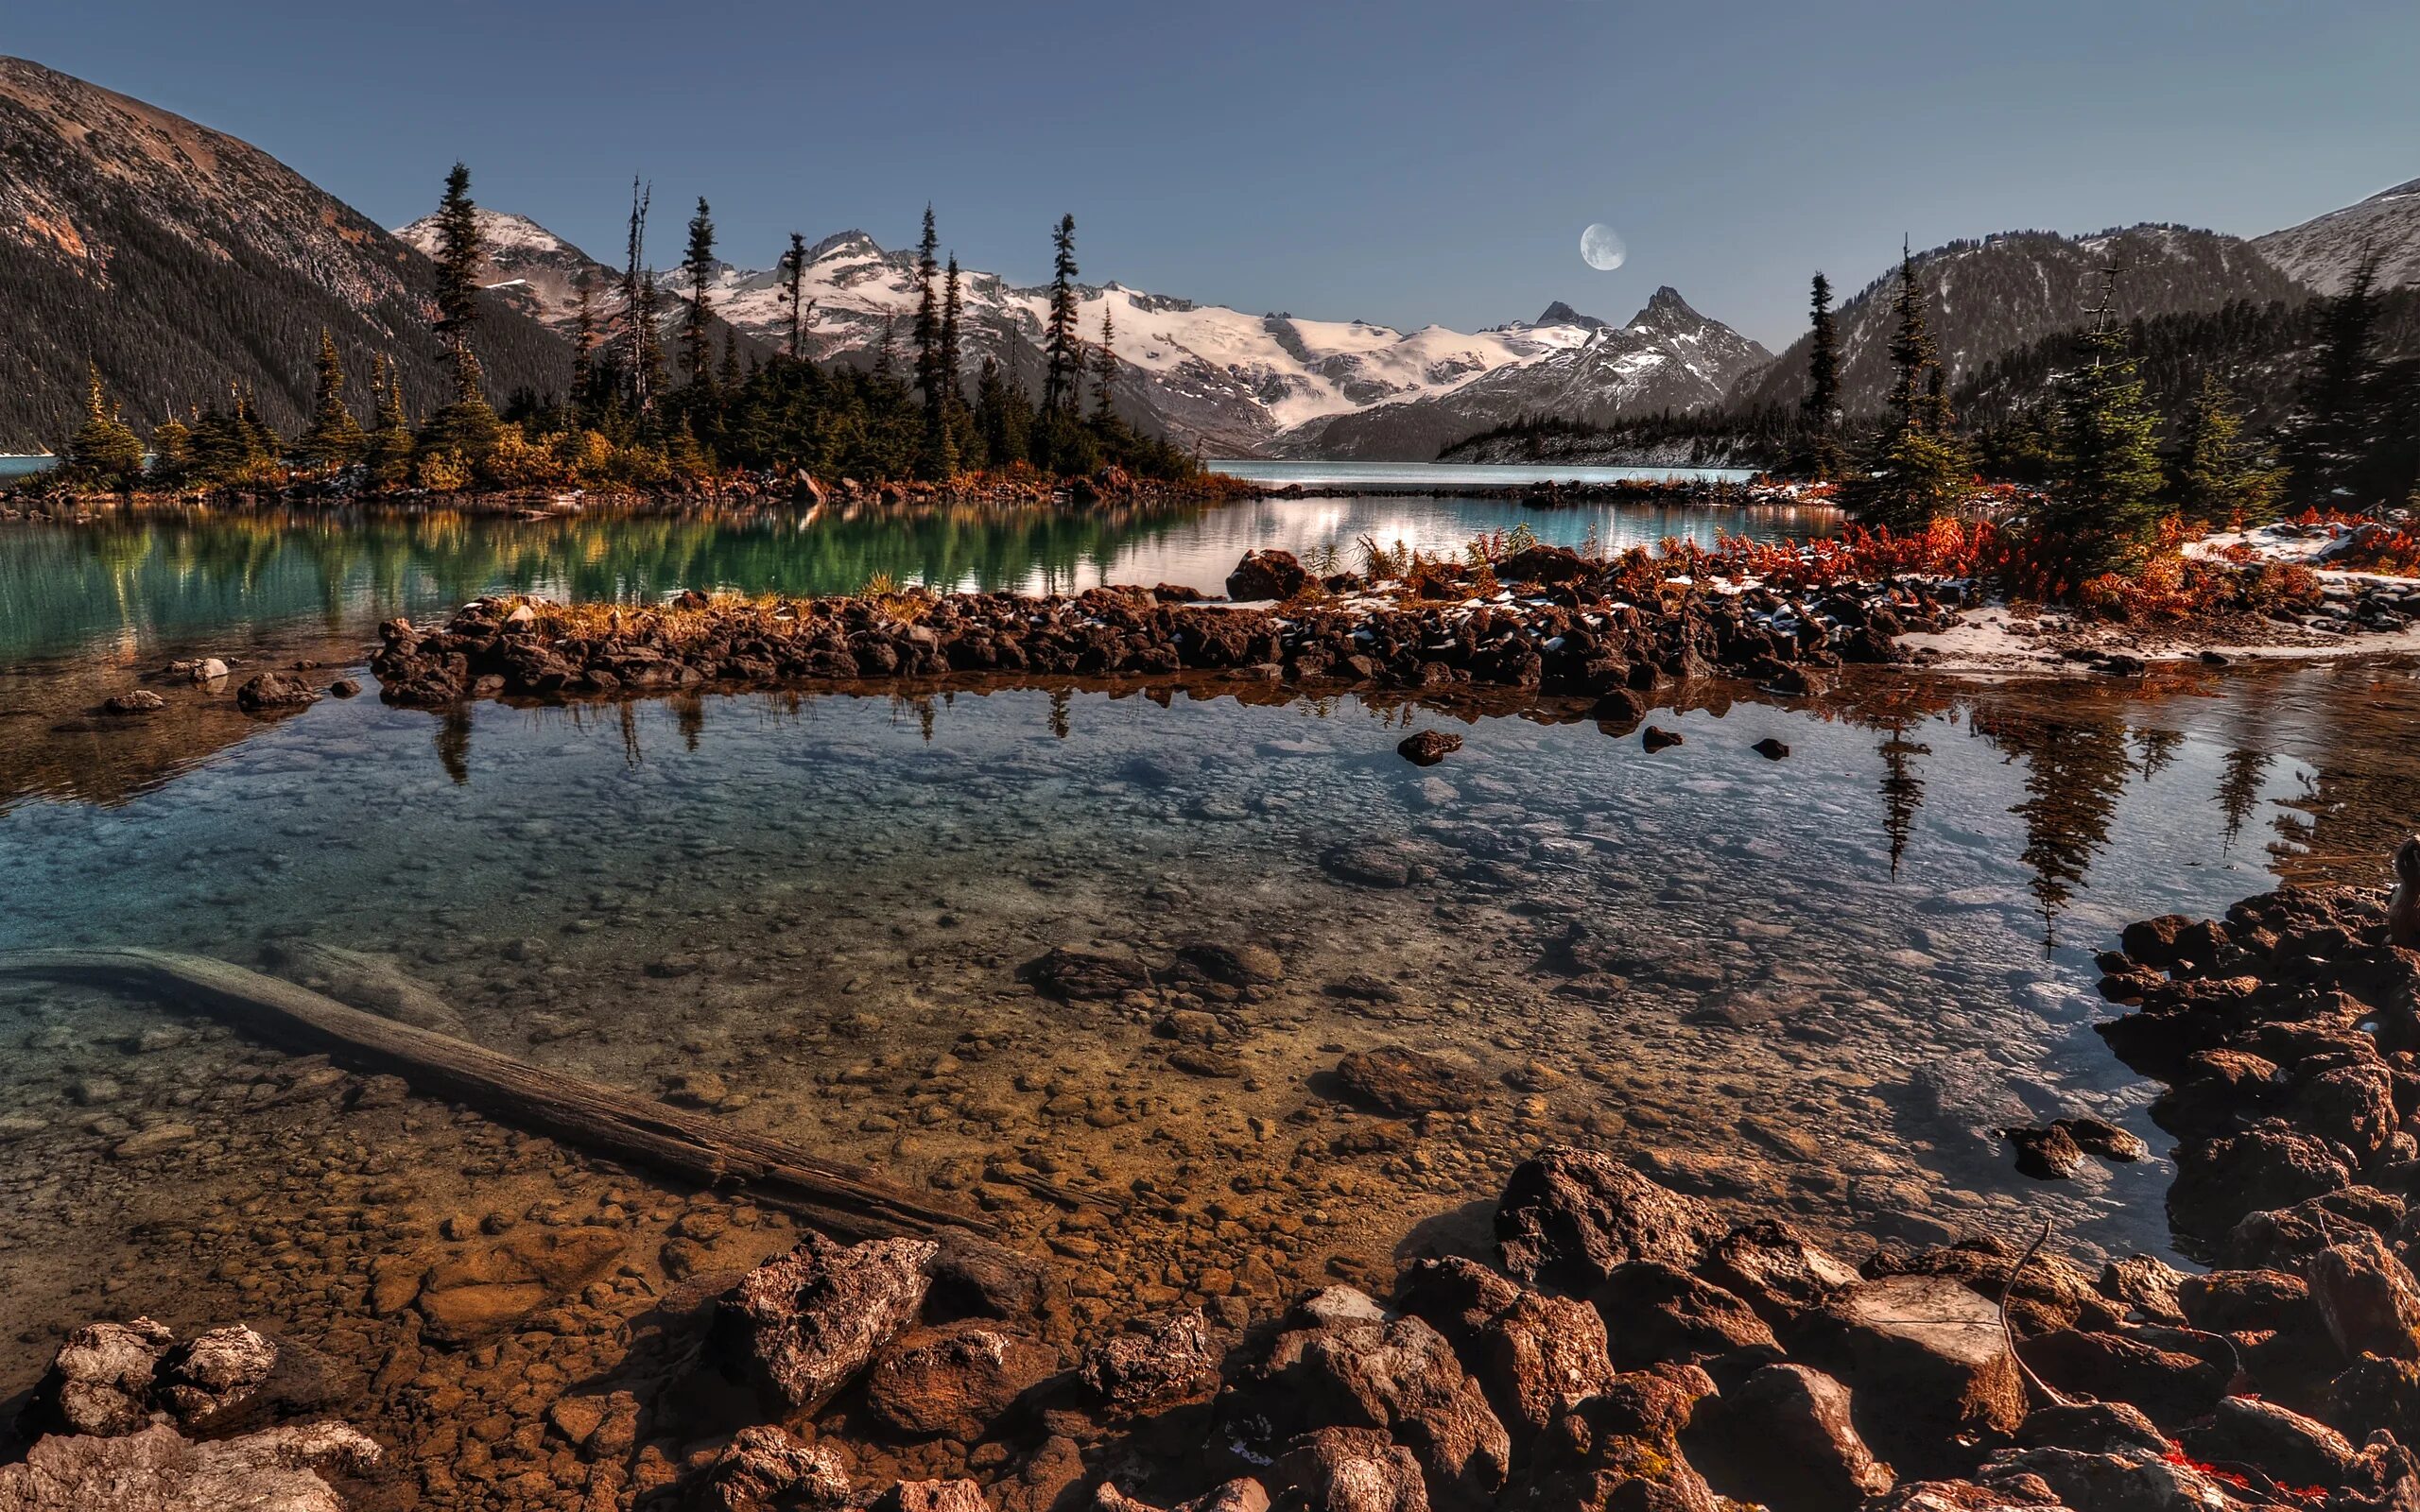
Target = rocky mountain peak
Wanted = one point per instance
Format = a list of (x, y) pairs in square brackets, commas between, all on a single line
[(1560, 314)]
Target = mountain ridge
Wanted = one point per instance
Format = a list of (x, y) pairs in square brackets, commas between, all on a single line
[(181, 262)]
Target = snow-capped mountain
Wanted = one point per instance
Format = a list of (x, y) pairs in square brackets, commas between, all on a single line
[(1993, 295), (2323, 252), (1232, 380), (1668, 357)]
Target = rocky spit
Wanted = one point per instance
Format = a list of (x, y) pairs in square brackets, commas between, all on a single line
[(1621, 1345), (1566, 632)]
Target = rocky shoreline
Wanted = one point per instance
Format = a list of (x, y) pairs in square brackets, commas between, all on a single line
[(1623, 1346), (1570, 636), (1611, 633)]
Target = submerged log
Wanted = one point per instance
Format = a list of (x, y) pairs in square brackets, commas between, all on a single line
[(842, 1199)]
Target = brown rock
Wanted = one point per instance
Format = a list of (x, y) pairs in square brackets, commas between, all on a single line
[(1158, 1363), (278, 1470), (100, 1382), (275, 690), (953, 1381), (1570, 1218), (2148, 1369), (1267, 574), (1398, 1375), (1535, 1356), (135, 701), (1657, 1314), (1620, 1450), (1774, 1269), (804, 1324), (1429, 746), (2290, 1448), (1928, 1362), (932, 1495), (1351, 1469), (763, 1468), (2368, 1299), (1785, 1438), (1402, 1082)]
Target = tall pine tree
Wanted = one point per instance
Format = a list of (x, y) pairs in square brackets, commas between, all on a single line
[(2220, 477), (1916, 471), (1063, 347), (2105, 499), (333, 439), (937, 462), (643, 358), (1106, 374), (583, 346), (2333, 427), (387, 449), (793, 287), (1820, 412), (697, 351), (460, 247)]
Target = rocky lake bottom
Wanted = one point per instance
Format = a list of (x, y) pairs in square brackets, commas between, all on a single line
[(1810, 987)]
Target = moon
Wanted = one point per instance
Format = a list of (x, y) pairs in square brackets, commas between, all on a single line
[(1601, 249)]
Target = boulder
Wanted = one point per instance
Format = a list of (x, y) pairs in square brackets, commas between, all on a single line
[(275, 690), (2367, 1298), (235, 1377), (2268, 1165), (2127, 1480), (802, 1325), (1658, 1314), (2173, 1385), (1399, 1376), (1534, 1356), (2095, 1427), (1402, 1082), (1157, 1362), (1570, 1218), (134, 701), (99, 1380), (1351, 1469), (2289, 1446), (1930, 1363), (955, 1381), (1774, 1269), (1620, 1450), (1267, 574), (277, 1469), (763, 1468), (1429, 746), (1784, 1436)]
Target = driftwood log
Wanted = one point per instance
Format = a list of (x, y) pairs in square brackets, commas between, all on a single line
[(842, 1199)]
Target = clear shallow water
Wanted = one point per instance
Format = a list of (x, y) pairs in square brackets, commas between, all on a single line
[(173, 577), (1802, 987), (1464, 474), (18, 466)]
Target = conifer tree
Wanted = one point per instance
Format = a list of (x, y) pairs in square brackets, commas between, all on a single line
[(387, 449), (333, 439), (2333, 426), (1916, 471), (938, 460), (698, 263), (1064, 347), (2105, 499), (461, 246), (953, 311), (2220, 477), (793, 283), (1003, 417), (171, 461), (729, 375), (105, 452), (651, 341), (1104, 372), (583, 343), (1821, 410)]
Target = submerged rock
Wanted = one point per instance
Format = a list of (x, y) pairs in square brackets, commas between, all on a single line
[(1403, 1082), (802, 1325), (277, 1469), (1429, 746)]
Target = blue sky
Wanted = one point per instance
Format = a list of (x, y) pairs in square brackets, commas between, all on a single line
[(1400, 163)]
